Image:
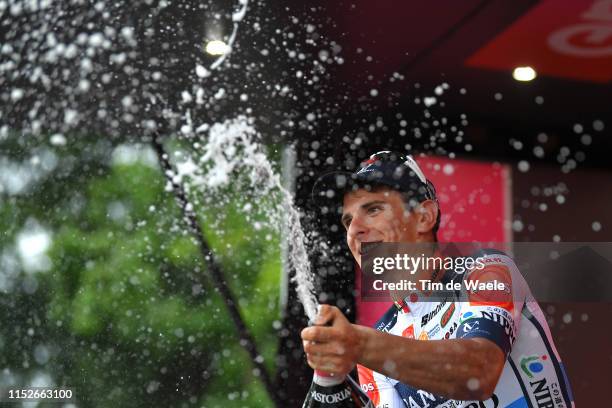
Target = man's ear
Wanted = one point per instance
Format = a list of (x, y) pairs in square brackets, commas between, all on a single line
[(427, 212)]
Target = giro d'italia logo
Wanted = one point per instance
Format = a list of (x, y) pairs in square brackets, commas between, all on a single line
[(533, 365)]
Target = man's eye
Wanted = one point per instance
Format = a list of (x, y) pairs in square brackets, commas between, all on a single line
[(373, 210)]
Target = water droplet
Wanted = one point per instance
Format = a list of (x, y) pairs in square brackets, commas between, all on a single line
[(523, 166), (473, 384), (578, 128), (58, 140), (598, 125)]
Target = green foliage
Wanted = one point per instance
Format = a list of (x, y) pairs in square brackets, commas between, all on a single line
[(127, 310)]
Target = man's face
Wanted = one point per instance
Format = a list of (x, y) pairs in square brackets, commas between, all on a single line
[(378, 216)]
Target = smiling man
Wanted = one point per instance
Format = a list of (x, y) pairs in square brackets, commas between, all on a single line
[(424, 353)]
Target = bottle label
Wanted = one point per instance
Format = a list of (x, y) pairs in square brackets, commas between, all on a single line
[(330, 395)]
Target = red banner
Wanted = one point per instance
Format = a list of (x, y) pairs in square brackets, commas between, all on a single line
[(562, 38)]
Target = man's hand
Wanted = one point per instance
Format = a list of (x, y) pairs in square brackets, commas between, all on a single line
[(333, 344)]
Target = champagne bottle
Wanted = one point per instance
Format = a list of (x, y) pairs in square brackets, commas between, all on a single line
[(335, 392)]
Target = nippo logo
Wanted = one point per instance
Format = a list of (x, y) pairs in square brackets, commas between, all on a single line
[(532, 365), (589, 38)]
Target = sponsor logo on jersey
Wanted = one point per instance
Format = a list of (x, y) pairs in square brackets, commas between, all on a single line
[(532, 365), (447, 315), (419, 399), (368, 383), (367, 387), (427, 317), (542, 394), (470, 326), (408, 332), (431, 333), (386, 326), (423, 335), (465, 316), (451, 331), (546, 394), (503, 321)]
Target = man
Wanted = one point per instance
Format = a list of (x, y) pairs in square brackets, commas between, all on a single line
[(485, 354)]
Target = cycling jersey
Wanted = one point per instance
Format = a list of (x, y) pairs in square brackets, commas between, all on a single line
[(533, 375)]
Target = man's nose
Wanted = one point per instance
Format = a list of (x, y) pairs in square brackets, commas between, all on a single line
[(358, 227)]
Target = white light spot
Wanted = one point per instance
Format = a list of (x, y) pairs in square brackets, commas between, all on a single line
[(58, 140), (596, 226), (217, 47), (202, 72), (429, 100), (70, 116), (16, 94), (448, 169), (32, 245), (524, 74)]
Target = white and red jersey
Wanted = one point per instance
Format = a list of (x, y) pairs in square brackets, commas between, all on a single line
[(533, 376)]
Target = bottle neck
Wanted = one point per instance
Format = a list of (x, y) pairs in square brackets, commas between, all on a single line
[(325, 379)]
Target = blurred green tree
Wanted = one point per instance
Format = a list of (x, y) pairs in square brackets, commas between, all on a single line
[(124, 312)]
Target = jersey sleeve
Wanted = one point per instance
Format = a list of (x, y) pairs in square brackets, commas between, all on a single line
[(378, 387), (494, 293)]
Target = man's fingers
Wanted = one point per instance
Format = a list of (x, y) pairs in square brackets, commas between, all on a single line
[(332, 365), (317, 334), (325, 349), (329, 364), (325, 315)]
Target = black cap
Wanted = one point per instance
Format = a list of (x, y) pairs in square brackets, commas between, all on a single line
[(391, 169)]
